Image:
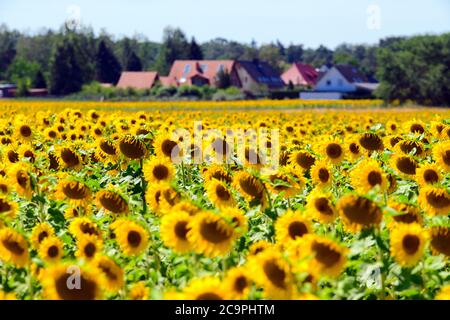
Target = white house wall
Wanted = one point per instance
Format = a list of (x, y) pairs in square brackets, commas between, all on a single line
[(337, 82)]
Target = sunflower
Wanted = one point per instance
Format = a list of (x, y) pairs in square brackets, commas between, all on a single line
[(11, 155), (216, 171), (88, 247), (138, 291), (68, 157), (4, 296), (219, 194), (441, 154), (5, 188), (132, 148), (258, 247), (410, 147), (326, 257), (444, 293), (273, 273), (77, 193), (367, 175), (302, 159), (359, 213), (406, 165), (40, 232), (166, 147), (250, 187), (83, 226), (107, 149), (23, 132), (113, 274), (286, 182), (353, 149), (428, 174), (186, 206), (206, 288), (162, 198), (332, 150), (238, 282), (59, 284), (320, 206), (8, 208), (322, 173), (434, 200), (174, 228), (212, 235), (405, 214), (112, 202), (415, 126), (408, 243), (440, 240), (13, 247), (236, 218), (290, 226), (19, 178), (157, 170), (132, 238), (51, 249), (371, 142)]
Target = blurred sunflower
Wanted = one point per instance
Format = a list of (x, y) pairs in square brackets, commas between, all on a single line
[(320, 207), (408, 243), (88, 246), (367, 175), (332, 150), (157, 170), (19, 177), (132, 148), (40, 232), (51, 249), (206, 288), (290, 226), (441, 154), (219, 194), (77, 193), (434, 200), (112, 201), (13, 247), (440, 240), (113, 274), (250, 187), (428, 174), (322, 173), (238, 282), (83, 226), (132, 238), (302, 159), (174, 228), (359, 213)]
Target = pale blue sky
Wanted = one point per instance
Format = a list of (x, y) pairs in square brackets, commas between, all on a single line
[(311, 22)]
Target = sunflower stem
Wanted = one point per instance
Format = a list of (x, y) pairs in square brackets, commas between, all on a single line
[(183, 174), (144, 203)]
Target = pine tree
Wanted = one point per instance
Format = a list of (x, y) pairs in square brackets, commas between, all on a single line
[(65, 72), (107, 66), (39, 80), (134, 63), (195, 52)]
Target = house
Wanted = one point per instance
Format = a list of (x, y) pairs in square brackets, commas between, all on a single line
[(7, 90), (257, 73), (300, 74), (138, 80), (199, 72), (247, 75), (341, 81)]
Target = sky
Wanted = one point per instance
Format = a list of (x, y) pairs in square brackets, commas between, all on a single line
[(310, 22)]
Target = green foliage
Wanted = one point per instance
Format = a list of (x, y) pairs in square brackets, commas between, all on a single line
[(108, 68), (223, 79), (134, 63), (195, 52), (174, 47)]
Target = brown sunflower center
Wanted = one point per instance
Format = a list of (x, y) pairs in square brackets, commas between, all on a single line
[(13, 156), (240, 284), (167, 146), (209, 296), (440, 240), (113, 202), (324, 175), (53, 251), (430, 176), (107, 271), (69, 157), (25, 131), (354, 148), (134, 238), (160, 172), (334, 150), (371, 141), (214, 232), (323, 206), (132, 148), (410, 146), (416, 127), (446, 157), (438, 200), (88, 228), (275, 274), (362, 211), (297, 229), (325, 254), (374, 178), (305, 160), (410, 243), (4, 206), (89, 250), (86, 291), (181, 229), (75, 190), (407, 165), (108, 148), (251, 186), (13, 247), (42, 235), (22, 178), (222, 193)]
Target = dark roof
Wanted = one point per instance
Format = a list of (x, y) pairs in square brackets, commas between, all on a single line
[(351, 74), (263, 73)]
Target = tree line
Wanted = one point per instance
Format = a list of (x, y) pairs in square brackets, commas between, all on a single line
[(63, 60)]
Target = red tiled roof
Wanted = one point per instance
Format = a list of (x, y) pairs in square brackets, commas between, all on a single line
[(303, 72), (183, 70), (137, 80)]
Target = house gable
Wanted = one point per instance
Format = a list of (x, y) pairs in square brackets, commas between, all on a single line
[(334, 81)]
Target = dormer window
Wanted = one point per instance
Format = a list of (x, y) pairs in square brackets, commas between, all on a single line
[(328, 82), (186, 70)]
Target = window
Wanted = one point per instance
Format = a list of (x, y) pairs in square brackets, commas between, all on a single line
[(328, 82), (220, 68), (203, 67), (186, 70)]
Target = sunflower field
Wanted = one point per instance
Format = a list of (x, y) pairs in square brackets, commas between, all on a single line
[(104, 203)]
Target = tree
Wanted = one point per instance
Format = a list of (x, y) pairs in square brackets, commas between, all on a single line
[(66, 75), (107, 66), (8, 41), (195, 52), (174, 47), (294, 53), (39, 80), (223, 79), (271, 54), (134, 63)]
